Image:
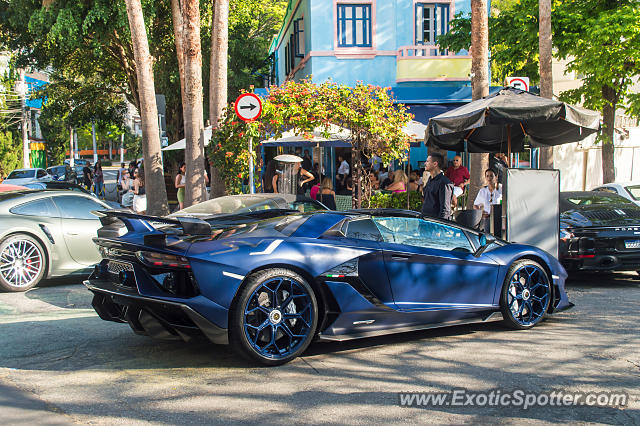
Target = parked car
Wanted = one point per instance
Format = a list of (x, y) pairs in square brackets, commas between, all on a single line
[(628, 190), (246, 203), (22, 176), (270, 285), (78, 165), (63, 173), (599, 231), (68, 186), (46, 234)]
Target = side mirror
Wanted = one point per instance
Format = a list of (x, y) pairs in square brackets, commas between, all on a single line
[(485, 243)]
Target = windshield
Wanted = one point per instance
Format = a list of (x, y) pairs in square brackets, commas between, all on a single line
[(634, 191), (278, 227), (22, 174), (600, 199), (231, 204)]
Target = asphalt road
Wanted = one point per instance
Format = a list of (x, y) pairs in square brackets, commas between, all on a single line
[(61, 364)]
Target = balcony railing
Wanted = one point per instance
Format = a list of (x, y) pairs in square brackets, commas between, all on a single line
[(428, 50)]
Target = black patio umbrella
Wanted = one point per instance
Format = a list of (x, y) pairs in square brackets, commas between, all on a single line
[(500, 121)]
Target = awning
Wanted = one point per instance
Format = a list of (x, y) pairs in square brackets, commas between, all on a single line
[(182, 143)]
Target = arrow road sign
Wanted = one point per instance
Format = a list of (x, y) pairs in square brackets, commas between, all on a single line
[(248, 107)]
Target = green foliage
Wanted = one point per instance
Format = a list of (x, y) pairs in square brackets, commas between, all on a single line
[(10, 153), (302, 107), (252, 25), (513, 40), (396, 201), (602, 41)]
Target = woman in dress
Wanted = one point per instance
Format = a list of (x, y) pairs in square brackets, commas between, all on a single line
[(180, 183), (139, 193)]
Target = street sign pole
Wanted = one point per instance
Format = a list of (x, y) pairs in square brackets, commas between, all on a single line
[(248, 108), (252, 189)]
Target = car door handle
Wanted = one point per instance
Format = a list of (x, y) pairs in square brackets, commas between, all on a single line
[(400, 257), (73, 233)]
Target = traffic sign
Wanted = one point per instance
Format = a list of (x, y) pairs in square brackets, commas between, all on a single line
[(521, 83), (248, 107)]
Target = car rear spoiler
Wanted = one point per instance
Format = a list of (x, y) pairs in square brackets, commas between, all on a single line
[(112, 221)]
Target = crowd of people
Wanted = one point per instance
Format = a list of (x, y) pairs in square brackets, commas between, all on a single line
[(131, 187), (442, 185)]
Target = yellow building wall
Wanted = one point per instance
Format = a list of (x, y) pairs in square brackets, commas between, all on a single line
[(433, 68)]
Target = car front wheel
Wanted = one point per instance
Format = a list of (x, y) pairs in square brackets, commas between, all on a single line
[(274, 318), (526, 294), (22, 263)]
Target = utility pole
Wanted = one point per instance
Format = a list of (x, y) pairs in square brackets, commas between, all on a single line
[(25, 120), (122, 148), (71, 153), (93, 135)]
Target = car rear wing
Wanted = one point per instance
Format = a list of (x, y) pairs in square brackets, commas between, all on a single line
[(112, 221)]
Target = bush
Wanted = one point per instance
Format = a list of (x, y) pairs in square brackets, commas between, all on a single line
[(106, 163), (397, 200)]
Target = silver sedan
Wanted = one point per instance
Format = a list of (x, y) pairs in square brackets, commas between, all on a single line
[(46, 234)]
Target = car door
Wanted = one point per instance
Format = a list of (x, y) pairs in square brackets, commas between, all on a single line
[(79, 226), (431, 266)]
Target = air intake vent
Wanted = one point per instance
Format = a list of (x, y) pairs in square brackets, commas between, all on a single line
[(634, 213), (601, 214)]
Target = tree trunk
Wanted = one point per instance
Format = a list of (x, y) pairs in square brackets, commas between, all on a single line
[(546, 74), (219, 59), (218, 78), (608, 127), (479, 86), (178, 30), (193, 121), (153, 173)]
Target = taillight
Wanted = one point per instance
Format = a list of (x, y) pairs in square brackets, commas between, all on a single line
[(161, 260)]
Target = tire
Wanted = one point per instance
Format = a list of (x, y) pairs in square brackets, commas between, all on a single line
[(265, 328), (22, 263), (526, 294)]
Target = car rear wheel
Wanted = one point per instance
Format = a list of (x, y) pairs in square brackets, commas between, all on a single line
[(526, 294), (22, 263), (274, 318)]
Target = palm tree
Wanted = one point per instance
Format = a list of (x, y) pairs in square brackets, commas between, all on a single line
[(546, 75), (479, 85), (218, 76), (153, 173), (193, 108), (178, 31)]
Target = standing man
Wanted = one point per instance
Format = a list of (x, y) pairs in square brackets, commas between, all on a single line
[(438, 190), (306, 161), (343, 171), (459, 175)]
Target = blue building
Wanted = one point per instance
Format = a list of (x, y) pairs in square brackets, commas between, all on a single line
[(389, 43)]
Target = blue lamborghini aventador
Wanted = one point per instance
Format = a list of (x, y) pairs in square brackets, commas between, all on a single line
[(269, 282)]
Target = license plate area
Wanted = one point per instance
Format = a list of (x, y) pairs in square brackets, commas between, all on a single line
[(632, 244)]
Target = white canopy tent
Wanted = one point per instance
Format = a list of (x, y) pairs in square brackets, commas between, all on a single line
[(182, 143)]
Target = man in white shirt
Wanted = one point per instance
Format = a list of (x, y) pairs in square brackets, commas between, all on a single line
[(343, 172), (488, 195), (344, 166)]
